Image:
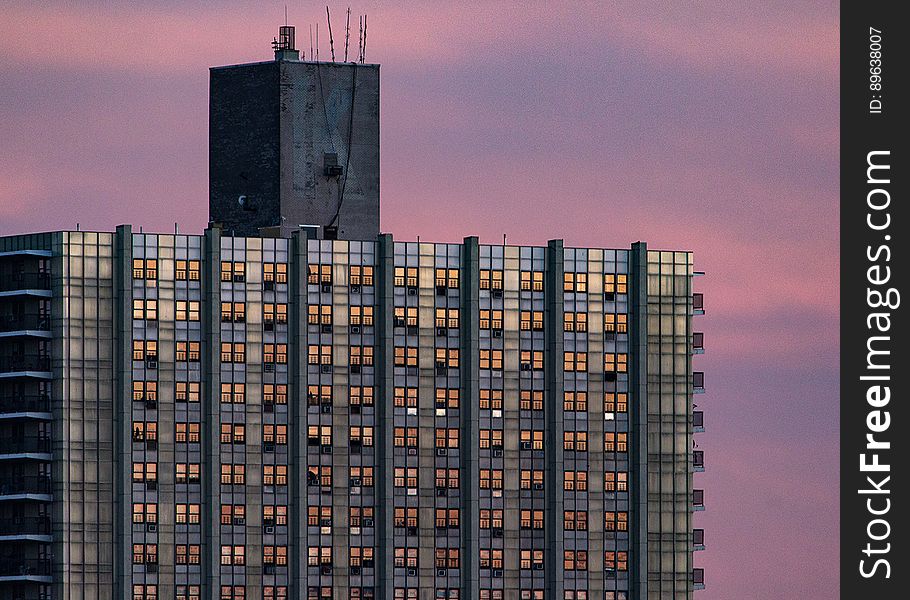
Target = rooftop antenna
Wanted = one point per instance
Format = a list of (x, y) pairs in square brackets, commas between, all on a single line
[(360, 42), (311, 41), (347, 35), (328, 18), (363, 55), (317, 42)]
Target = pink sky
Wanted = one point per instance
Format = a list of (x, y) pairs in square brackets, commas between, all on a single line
[(713, 129)]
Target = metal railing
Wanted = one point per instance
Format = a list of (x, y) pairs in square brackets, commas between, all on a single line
[(29, 403), (25, 526), (22, 322), (24, 363), (25, 281), (29, 484), (13, 567), (25, 444)]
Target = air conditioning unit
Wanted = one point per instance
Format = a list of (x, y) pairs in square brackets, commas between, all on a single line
[(497, 532), (538, 566), (326, 287), (325, 449), (151, 363), (269, 367), (325, 408), (269, 326), (497, 572), (268, 447), (525, 366), (355, 368), (412, 531), (412, 291), (412, 572), (239, 521), (441, 572), (355, 409), (368, 522), (441, 451), (538, 486), (497, 333), (326, 368), (151, 527), (355, 328), (442, 371), (268, 407), (151, 485), (442, 331), (496, 293), (268, 285), (525, 445), (497, 452), (151, 567), (151, 404), (268, 569), (355, 288), (355, 570), (440, 491), (326, 329), (412, 451)]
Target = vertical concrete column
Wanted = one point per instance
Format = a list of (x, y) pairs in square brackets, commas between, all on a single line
[(553, 369), (123, 377), (211, 412), (470, 424), (638, 420), (166, 418), (297, 414), (384, 384)]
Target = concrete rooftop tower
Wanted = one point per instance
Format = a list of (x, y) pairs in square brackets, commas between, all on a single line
[(295, 142)]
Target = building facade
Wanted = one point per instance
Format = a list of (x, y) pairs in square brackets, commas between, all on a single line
[(218, 417)]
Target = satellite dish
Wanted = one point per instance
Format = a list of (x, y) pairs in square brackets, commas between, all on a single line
[(241, 201)]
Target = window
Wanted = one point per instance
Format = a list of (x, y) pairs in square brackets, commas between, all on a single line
[(233, 311), (318, 556), (405, 276), (361, 556), (186, 433), (145, 350), (145, 390), (280, 592), (319, 395), (491, 359), (145, 513), (188, 514), (446, 398), (447, 558), (359, 513), (361, 355), (319, 516), (531, 519), (145, 472), (319, 314), (405, 557), (235, 352), (233, 555), (532, 281), (405, 517), (187, 473), (531, 320), (446, 518), (447, 318), (361, 396), (363, 476), (361, 275), (616, 521), (616, 561), (491, 319), (187, 352), (148, 591), (490, 280), (319, 274), (575, 322), (274, 313), (531, 400), (404, 436), (531, 559), (362, 436), (531, 440), (615, 442), (447, 278), (275, 354), (575, 401), (576, 441), (531, 360), (491, 479), (187, 391), (405, 477), (615, 284), (491, 518), (278, 514), (615, 362), (145, 268), (615, 402), (362, 315), (531, 479), (187, 270), (491, 399), (233, 271), (446, 438), (575, 560), (188, 554), (319, 435), (405, 316), (319, 355), (616, 481), (275, 272), (405, 357), (616, 323), (187, 310), (575, 481), (233, 434), (233, 474), (145, 431), (447, 478), (233, 393), (447, 357), (491, 438), (575, 520), (274, 393), (145, 554), (575, 282), (276, 475), (275, 434), (575, 361)]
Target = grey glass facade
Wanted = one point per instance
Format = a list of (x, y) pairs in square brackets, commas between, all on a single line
[(226, 417)]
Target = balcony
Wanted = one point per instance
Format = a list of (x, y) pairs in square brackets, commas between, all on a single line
[(698, 460), (10, 448), (25, 325), (29, 487), (698, 382), (21, 528), (698, 343), (38, 284), (698, 539), (31, 365), (698, 578), (698, 304), (25, 569), (698, 421)]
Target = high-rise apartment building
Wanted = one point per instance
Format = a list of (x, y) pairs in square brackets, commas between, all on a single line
[(280, 414)]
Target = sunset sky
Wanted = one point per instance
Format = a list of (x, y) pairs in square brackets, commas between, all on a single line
[(713, 129)]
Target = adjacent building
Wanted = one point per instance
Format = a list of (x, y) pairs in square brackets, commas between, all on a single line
[(293, 405)]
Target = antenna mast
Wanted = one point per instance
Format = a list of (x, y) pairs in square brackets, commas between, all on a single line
[(328, 18), (347, 35), (317, 42), (360, 42), (311, 42), (363, 55)]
